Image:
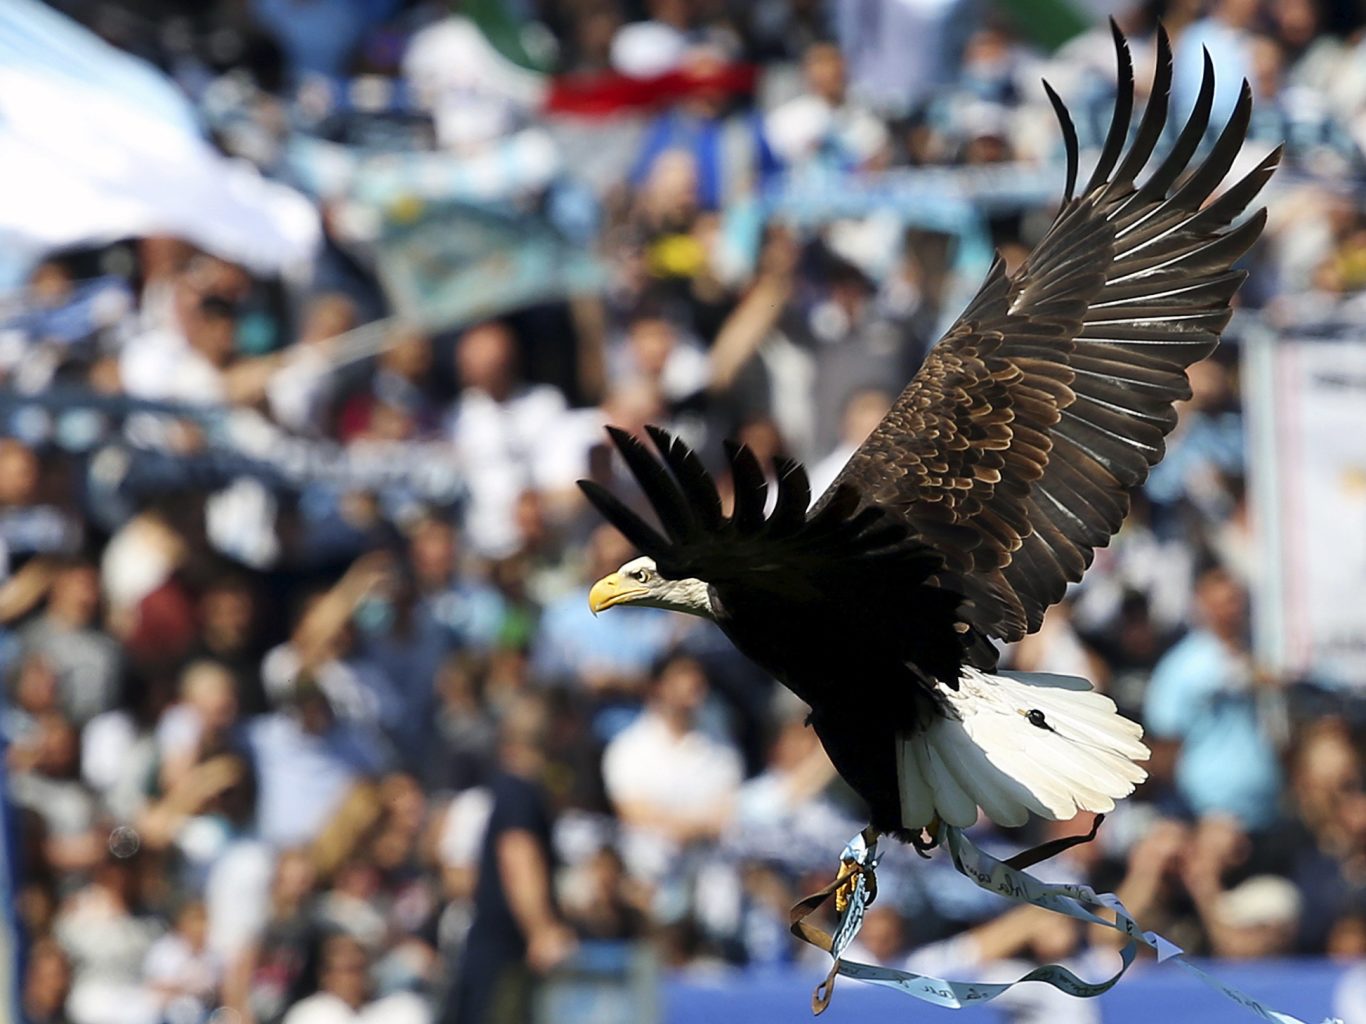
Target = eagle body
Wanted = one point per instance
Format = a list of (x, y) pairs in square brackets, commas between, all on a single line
[(860, 673), (979, 497)]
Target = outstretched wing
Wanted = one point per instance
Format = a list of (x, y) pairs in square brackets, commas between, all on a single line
[(1012, 451)]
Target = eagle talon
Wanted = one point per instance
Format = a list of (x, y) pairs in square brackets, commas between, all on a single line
[(928, 838), (849, 871), (858, 858)]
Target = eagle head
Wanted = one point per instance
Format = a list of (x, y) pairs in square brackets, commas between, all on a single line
[(639, 582)]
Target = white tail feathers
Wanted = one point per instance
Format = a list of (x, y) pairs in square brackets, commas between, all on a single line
[(1019, 742)]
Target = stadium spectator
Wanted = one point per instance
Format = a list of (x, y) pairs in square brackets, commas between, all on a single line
[(307, 759), (345, 991), (497, 428), (672, 785), (823, 125), (67, 635), (1206, 699), (517, 928)]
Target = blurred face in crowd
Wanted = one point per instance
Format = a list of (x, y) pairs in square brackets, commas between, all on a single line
[(606, 873), (593, 33), (118, 880), (988, 145), (1257, 919), (389, 422), (404, 804), (677, 13), (1268, 63), (1326, 771), (328, 315), (211, 331), (295, 878), (59, 747), (162, 256), (18, 474), (633, 405), (35, 686), (1347, 939), (883, 934), (670, 191), (703, 65), (794, 743), (409, 355), (486, 360), (1210, 386), (1297, 22), (529, 514), (50, 284), (209, 689), (431, 552), (345, 970), (192, 924), (219, 277), (762, 437), (823, 67), (313, 711), (522, 736), (1237, 13), (1221, 604), (608, 550), (75, 595), (652, 341), (680, 689), (987, 63), (227, 615), (862, 414)]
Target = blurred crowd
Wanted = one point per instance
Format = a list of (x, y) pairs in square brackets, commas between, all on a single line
[(317, 750)]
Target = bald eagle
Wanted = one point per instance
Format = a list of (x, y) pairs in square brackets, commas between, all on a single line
[(979, 497)]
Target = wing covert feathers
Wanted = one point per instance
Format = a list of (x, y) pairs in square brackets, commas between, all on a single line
[(1013, 449)]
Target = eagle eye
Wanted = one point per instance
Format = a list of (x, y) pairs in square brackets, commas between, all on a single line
[(640, 575)]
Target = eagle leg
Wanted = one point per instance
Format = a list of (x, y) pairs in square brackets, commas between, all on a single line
[(927, 838), (855, 861)]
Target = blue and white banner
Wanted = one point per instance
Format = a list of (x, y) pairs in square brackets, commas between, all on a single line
[(521, 164), (139, 447), (458, 264)]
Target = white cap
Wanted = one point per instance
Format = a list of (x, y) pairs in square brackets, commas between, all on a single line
[(1261, 900)]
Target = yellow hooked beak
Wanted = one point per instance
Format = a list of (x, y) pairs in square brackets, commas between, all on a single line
[(614, 589)]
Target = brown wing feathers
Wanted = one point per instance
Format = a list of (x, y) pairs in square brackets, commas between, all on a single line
[(1051, 396)]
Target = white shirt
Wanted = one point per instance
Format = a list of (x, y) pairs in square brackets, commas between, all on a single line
[(502, 449), (799, 128), (325, 1008), (161, 365), (173, 962), (647, 763)]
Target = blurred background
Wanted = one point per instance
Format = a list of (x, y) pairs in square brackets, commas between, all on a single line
[(311, 314)]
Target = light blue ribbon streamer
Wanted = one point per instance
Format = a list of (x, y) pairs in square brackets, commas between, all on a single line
[(1074, 901)]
